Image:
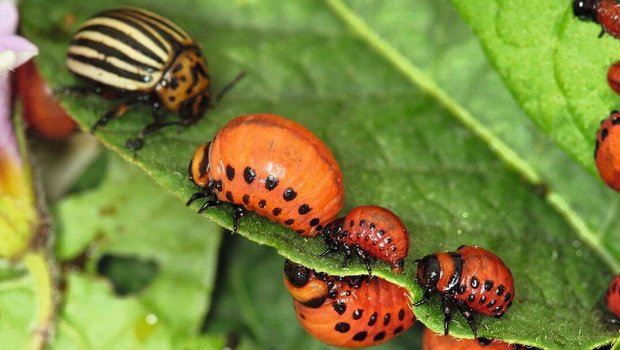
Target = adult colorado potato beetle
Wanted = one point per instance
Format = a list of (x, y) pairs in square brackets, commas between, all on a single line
[(604, 12), (612, 299), (607, 150), (140, 56), (433, 341), (272, 166), (471, 279), (348, 312), (369, 231)]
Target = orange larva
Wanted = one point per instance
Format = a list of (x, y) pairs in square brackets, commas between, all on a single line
[(369, 231), (433, 341), (472, 280), (607, 151), (612, 298), (272, 166), (349, 312)]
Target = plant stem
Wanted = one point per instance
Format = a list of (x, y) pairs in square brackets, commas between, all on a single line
[(41, 269)]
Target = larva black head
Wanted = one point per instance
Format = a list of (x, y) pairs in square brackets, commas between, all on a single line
[(296, 274), (428, 272), (585, 9), (333, 229)]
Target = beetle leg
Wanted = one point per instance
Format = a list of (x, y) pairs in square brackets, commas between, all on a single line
[(138, 142), (425, 298), (446, 308), (238, 214), (347, 254), (469, 316), (79, 90), (360, 252), (195, 196), (115, 112)]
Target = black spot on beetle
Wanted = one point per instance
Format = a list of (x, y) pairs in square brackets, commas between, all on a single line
[(340, 307), (379, 336), (500, 290), (373, 319), (304, 209), (249, 175), (172, 98), (386, 319), (271, 182), (360, 336), (289, 194), (357, 314), (342, 327), (230, 172)]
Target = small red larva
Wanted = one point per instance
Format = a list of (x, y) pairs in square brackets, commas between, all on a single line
[(613, 77), (472, 280), (612, 298), (272, 166), (369, 231), (433, 341), (349, 312), (604, 12), (607, 151)]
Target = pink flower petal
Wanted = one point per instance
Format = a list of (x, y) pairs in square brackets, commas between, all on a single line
[(14, 51), (8, 24)]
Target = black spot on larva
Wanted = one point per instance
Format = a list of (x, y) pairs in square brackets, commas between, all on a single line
[(398, 330), (401, 315), (230, 172), (482, 299), (314, 222), (380, 233), (615, 121), (488, 285), (229, 196), (246, 199), (470, 298), (300, 231), (388, 240), (357, 314), (319, 227), (289, 221), (500, 290), (351, 223), (497, 309), (386, 319), (172, 98), (509, 304), (340, 307), (372, 226), (183, 78), (302, 316), (174, 83), (304, 209), (262, 203), (474, 282), (342, 327), (362, 223), (379, 336), (360, 336), (289, 194), (373, 319), (276, 211), (271, 182), (604, 134), (461, 289), (507, 296), (491, 303), (249, 175)]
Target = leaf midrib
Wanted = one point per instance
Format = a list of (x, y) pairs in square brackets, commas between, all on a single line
[(497, 146)]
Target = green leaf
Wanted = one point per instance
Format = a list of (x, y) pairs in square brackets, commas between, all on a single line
[(128, 219), (419, 122)]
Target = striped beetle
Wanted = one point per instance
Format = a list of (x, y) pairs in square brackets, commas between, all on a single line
[(137, 55)]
